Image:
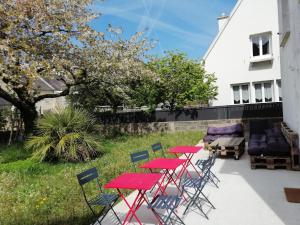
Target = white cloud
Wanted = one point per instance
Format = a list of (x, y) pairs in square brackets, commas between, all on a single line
[(154, 23)]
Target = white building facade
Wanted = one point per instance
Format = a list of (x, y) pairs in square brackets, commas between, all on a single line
[(245, 55), (289, 20)]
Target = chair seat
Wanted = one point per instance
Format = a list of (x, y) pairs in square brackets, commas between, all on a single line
[(192, 182), (103, 199), (165, 202), (201, 163)]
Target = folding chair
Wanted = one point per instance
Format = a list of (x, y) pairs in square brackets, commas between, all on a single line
[(106, 201), (168, 204), (211, 176), (158, 147), (136, 157), (197, 184)]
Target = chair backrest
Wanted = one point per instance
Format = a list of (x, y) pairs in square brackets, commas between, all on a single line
[(214, 157), (139, 156), (86, 177), (158, 147), (207, 164)]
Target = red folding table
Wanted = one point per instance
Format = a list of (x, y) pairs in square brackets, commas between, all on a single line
[(169, 166), (188, 152), (134, 181)]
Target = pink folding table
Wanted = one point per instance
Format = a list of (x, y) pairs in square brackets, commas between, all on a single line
[(169, 166), (188, 152), (134, 181)]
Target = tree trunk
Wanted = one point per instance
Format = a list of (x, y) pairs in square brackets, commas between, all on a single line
[(29, 116)]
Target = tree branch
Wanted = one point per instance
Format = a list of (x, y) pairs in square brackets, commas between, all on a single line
[(52, 95), (45, 32), (8, 97)]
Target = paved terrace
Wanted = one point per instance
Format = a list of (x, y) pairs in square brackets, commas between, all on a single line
[(245, 197)]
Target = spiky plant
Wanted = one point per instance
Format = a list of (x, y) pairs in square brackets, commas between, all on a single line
[(67, 134)]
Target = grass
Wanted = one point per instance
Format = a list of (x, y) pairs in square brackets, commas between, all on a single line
[(43, 193)]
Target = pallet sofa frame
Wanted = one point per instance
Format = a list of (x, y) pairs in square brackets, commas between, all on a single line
[(280, 162)]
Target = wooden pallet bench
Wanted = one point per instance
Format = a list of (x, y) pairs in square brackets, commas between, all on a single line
[(234, 146), (293, 140), (270, 162)]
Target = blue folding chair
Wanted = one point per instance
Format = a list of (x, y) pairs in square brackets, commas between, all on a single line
[(211, 176), (139, 156), (197, 184), (106, 201), (164, 207), (158, 147)]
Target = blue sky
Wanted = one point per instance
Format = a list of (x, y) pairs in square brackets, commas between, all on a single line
[(186, 25)]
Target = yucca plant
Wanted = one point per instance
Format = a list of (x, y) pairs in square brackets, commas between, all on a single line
[(67, 134)]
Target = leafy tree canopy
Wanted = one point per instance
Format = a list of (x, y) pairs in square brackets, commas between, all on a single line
[(182, 81), (116, 69)]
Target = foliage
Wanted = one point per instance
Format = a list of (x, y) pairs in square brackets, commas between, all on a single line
[(115, 69), (13, 153), (42, 193), (181, 81), (65, 134), (52, 40), (37, 41)]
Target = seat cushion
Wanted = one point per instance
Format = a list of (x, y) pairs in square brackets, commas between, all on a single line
[(275, 131), (277, 146), (258, 138), (256, 148), (230, 129), (210, 138)]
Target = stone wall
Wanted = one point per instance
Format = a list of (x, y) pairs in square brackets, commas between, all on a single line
[(199, 125)]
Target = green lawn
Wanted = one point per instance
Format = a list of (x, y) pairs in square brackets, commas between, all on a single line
[(42, 193)]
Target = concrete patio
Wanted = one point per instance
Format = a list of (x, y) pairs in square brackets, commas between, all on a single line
[(245, 197)]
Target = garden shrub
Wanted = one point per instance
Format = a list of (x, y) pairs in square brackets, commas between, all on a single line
[(68, 134)]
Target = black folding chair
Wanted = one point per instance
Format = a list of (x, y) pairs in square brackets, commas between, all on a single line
[(106, 201), (197, 184), (201, 163), (139, 156), (168, 205), (158, 147)]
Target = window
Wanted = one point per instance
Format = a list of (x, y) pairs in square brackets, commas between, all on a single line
[(258, 92), (241, 94), (279, 90), (263, 92), (261, 44)]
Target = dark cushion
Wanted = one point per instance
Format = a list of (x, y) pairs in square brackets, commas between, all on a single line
[(256, 148), (258, 138), (258, 126), (231, 129), (277, 146), (275, 131), (211, 138), (280, 150)]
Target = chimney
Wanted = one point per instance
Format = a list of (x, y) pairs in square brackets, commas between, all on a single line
[(222, 20)]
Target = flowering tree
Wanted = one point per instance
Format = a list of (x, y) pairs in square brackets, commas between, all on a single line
[(36, 41), (51, 39), (115, 68)]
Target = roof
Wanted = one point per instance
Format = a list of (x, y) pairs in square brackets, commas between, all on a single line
[(55, 84), (43, 84), (47, 84), (236, 7)]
